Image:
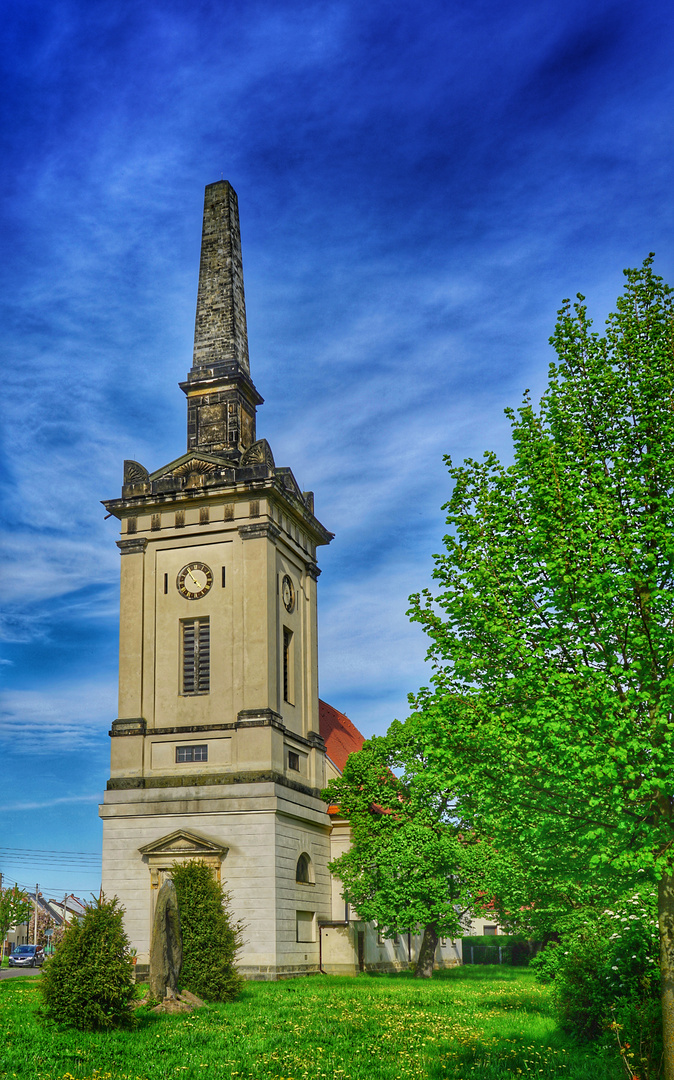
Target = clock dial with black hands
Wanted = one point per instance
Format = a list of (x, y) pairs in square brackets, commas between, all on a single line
[(287, 593)]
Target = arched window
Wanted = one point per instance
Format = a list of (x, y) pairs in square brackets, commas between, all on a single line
[(303, 871)]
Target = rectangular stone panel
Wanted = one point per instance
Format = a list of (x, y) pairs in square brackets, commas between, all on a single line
[(306, 925), (164, 753)]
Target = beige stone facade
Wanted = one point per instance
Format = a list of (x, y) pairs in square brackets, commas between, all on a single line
[(253, 838), (216, 752), (219, 748)]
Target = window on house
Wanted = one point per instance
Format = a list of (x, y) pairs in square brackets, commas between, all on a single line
[(196, 652), (490, 931), (288, 665), (191, 753), (293, 761), (303, 870)]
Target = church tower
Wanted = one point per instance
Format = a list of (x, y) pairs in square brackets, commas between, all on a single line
[(216, 752)]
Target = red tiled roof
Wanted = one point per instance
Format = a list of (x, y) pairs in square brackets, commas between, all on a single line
[(341, 737)]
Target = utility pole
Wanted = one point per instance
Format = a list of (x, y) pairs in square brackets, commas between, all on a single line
[(35, 927)]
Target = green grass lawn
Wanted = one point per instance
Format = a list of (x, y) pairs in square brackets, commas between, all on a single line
[(471, 1023)]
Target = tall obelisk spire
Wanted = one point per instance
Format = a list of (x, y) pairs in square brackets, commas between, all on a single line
[(221, 395), (220, 331)]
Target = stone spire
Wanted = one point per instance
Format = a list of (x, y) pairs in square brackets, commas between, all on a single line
[(221, 396), (220, 329)]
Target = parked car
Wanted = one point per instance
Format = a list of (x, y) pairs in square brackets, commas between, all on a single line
[(27, 956)]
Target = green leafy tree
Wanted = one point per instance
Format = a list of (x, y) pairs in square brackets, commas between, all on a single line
[(409, 863), (15, 908), (211, 939), (552, 632), (88, 982)]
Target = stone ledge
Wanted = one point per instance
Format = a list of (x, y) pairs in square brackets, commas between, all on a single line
[(188, 729), (260, 530), (273, 972), (136, 546), (260, 717), (315, 740), (135, 726), (129, 783)]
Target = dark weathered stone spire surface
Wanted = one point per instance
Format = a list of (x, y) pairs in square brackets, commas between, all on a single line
[(220, 331), (221, 397)]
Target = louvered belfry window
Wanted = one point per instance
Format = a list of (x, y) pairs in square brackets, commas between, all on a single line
[(196, 656)]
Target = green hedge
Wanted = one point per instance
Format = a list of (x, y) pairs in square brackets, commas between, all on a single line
[(211, 939)]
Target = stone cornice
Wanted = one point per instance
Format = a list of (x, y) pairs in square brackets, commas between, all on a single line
[(262, 776), (248, 716), (260, 530), (316, 740), (135, 546), (255, 480), (135, 726), (206, 380)]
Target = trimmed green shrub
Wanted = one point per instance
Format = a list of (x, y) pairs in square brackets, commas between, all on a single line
[(581, 997), (210, 939), (546, 962), (88, 982)]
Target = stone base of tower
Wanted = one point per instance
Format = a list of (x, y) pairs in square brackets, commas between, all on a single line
[(253, 836)]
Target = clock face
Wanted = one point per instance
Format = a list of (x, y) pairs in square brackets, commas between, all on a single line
[(287, 593), (194, 580)]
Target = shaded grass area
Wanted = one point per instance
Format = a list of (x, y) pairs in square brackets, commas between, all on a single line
[(466, 1024)]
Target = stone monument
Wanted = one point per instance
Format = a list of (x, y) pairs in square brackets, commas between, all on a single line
[(166, 946)]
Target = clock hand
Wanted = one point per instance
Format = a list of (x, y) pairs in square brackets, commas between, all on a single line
[(194, 579)]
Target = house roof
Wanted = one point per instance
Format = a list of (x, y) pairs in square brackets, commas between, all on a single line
[(340, 736)]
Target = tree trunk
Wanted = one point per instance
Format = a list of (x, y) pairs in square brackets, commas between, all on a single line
[(429, 943), (666, 925)]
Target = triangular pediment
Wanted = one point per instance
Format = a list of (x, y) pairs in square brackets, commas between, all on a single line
[(184, 843), (190, 462), (289, 482)]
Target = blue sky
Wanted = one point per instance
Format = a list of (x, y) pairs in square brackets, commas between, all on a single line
[(420, 185)]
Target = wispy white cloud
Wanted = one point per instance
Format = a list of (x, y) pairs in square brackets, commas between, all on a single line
[(60, 718), (46, 804), (58, 565), (417, 197)]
